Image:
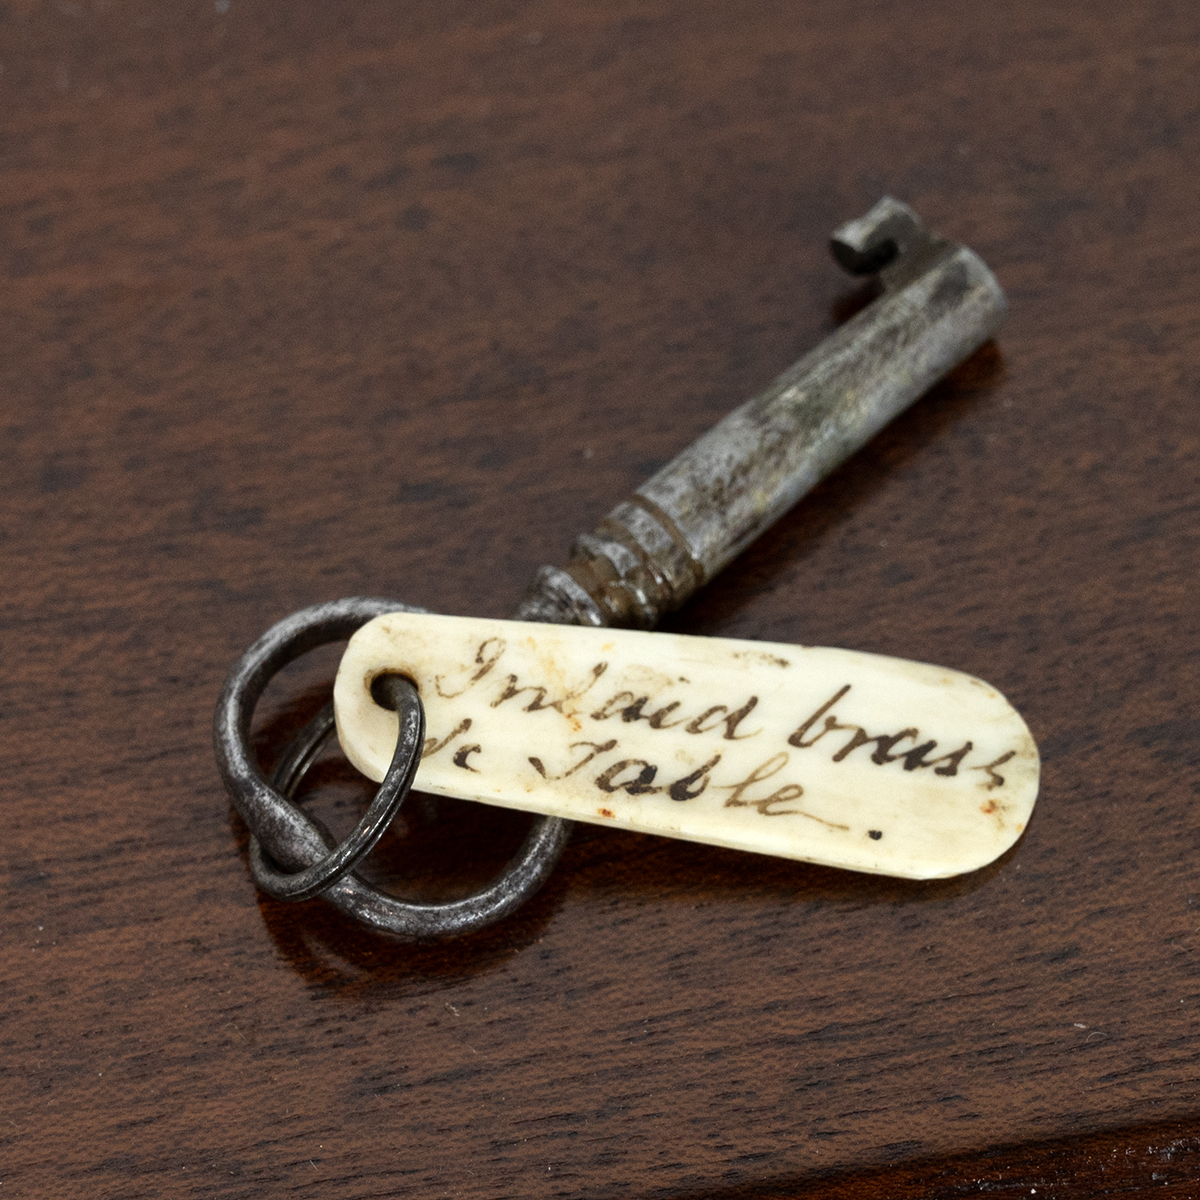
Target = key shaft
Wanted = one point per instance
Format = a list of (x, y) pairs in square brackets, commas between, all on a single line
[(939, 303)]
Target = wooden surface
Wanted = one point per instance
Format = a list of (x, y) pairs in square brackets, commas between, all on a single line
[(307, 300)]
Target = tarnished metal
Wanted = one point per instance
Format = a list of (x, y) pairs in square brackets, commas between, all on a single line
[(939, 302), (650, 553), (295, 842), (398, 694)]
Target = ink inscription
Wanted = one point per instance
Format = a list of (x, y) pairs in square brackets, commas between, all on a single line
[(913, 759), (764, 789)]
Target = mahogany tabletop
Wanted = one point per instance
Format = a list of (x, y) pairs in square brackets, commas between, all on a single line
[(312, 300)]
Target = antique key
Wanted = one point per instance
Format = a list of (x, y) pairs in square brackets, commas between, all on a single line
[(938, 303)]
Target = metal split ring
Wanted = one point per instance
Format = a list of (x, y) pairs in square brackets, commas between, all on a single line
[(302, 753), (291, 855)]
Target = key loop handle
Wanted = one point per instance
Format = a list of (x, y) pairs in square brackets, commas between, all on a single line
[(293, 841)]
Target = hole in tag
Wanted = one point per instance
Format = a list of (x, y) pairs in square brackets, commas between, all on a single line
[(381, 693)]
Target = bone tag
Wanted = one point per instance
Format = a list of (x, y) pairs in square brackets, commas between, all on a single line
[(828, 756)]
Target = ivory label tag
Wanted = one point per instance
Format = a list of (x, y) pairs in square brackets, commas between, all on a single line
[(828, 756)]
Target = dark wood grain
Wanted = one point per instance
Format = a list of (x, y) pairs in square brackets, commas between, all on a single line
[(306, 300)]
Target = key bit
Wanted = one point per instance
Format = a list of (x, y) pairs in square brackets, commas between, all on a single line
[(938, 304)]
